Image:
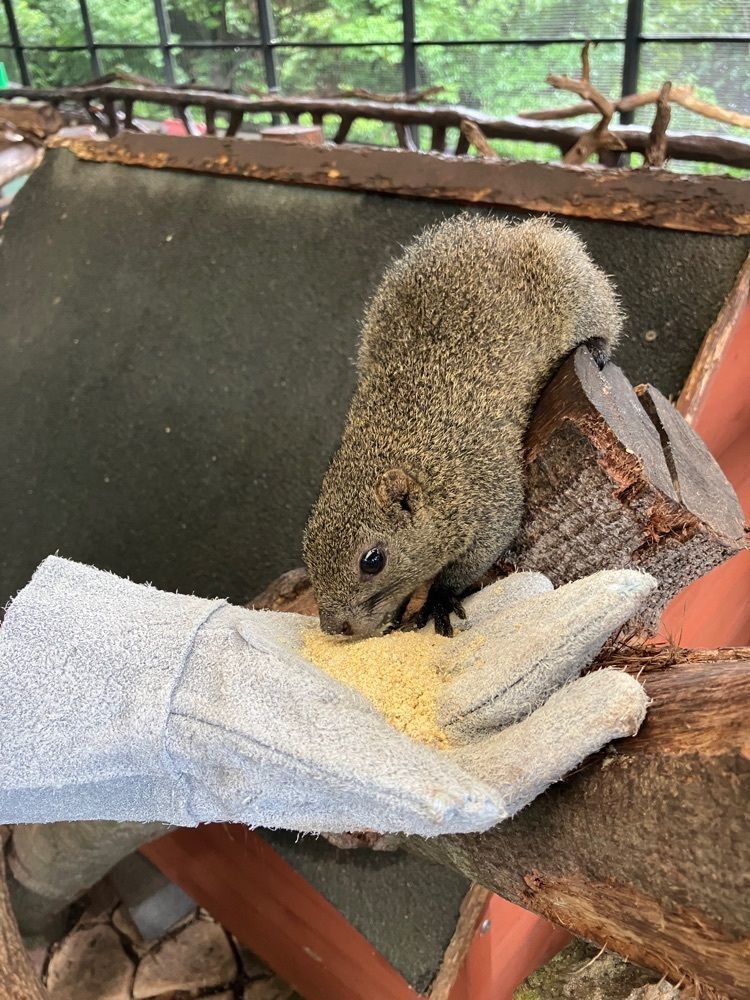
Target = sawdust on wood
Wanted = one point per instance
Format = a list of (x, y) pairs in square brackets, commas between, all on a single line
[(400, 673)]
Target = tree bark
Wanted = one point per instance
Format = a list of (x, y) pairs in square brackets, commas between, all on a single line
[(645, 848), (617, 479), (17, 978)]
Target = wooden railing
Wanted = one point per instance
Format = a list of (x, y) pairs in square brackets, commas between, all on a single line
[(112, 107)]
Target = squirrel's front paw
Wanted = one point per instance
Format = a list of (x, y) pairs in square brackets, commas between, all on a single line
[(440, 603)]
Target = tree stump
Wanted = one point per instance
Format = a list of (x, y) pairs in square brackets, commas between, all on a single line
[(618, 480)]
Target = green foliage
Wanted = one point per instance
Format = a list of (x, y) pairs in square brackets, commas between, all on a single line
[(501, 79)]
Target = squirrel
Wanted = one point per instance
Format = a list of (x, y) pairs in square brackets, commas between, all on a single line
[(427, 484)]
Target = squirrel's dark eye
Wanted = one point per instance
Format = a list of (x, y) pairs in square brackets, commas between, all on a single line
[(372, 561)]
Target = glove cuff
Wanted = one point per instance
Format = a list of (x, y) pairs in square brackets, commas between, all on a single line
[(88, 666)]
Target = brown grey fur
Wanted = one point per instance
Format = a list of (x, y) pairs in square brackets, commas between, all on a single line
[(461, 336)]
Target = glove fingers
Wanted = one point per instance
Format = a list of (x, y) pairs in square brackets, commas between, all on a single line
[(503, 594), (534, 648), (579, 719)]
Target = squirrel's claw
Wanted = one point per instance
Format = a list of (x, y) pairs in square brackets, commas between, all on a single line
[(440, 603)]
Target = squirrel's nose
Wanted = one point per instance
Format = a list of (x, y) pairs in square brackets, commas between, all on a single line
[(335, 624)]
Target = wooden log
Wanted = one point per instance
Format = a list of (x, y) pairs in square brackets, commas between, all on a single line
[(658, 198), (656, 150), (610, 487), (17, 978), (644, 848), (312, 134)]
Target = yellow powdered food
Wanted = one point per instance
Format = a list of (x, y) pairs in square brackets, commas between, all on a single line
[(400, 673)]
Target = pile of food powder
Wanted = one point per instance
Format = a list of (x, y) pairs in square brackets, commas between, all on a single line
[(401, 674)]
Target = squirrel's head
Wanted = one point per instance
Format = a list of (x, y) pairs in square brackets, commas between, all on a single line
[(367, 560)]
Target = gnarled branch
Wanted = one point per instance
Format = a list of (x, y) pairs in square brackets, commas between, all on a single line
[(599, 138)]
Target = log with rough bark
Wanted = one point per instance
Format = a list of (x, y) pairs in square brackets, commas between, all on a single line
[(645, 848), (656, 150), (17, 978)]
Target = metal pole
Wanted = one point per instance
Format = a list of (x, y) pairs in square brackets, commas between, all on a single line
[(631, 63), (162, 20), (96, 67), (267, 38), (410, 47), (15, 40)]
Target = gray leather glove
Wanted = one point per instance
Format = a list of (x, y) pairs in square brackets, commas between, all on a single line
[(118, 701)]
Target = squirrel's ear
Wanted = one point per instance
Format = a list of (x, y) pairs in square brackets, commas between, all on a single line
[(398, 493)]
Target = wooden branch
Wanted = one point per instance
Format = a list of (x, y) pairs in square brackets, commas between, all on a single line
[(708, 148), (17, 978), (583, 87), (234, 123), (598, 139), (685, 99), (628, 103), (343, 130), (414, 97), (119, 76), (405, 137), (680, 95), (610, 485), (656, 150), (187, 120), (628, 851), (476, 138)]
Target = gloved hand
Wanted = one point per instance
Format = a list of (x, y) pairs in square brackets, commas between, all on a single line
[(120, 702)]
